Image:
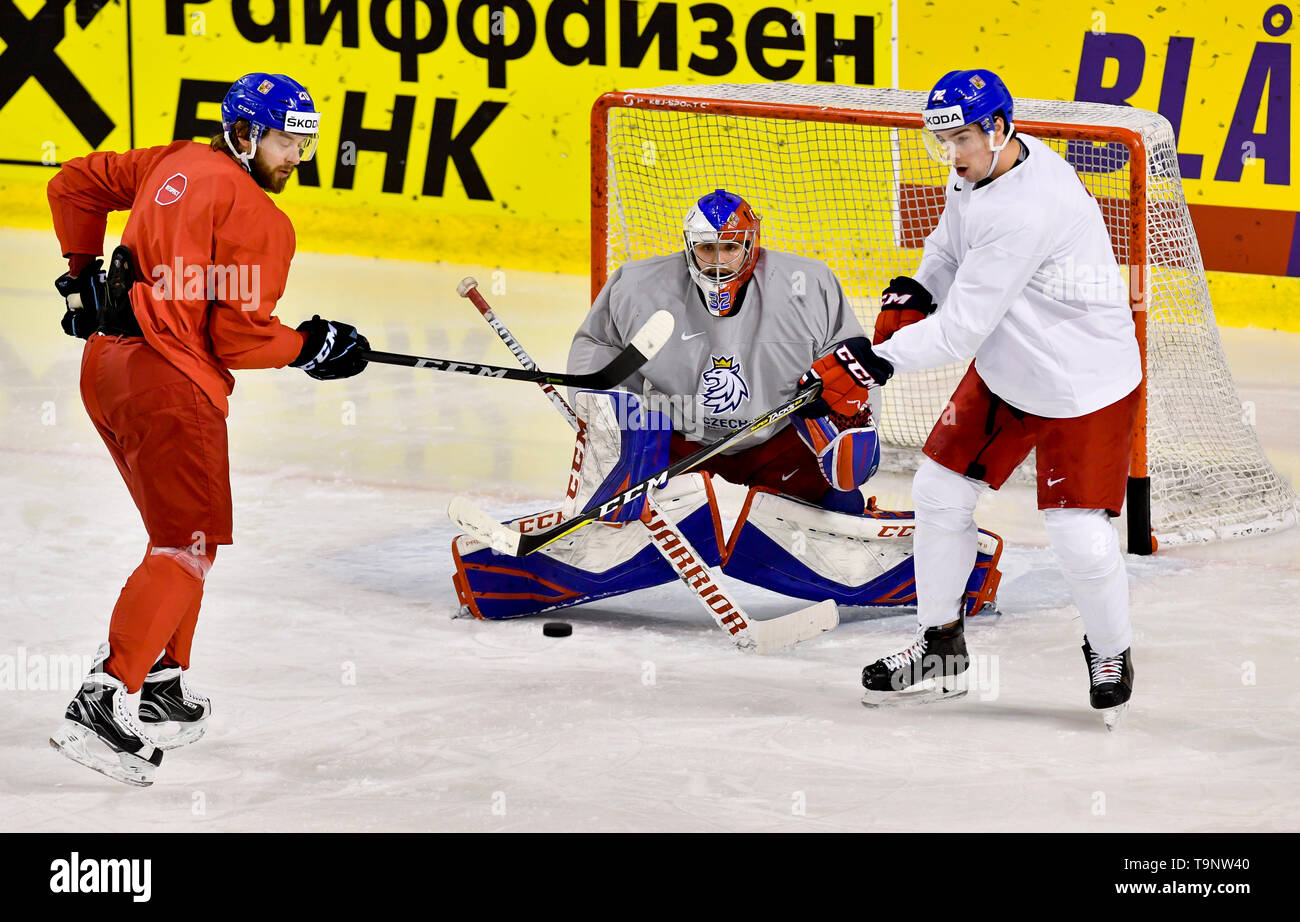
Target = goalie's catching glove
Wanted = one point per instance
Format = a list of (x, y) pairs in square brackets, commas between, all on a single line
[(84, 297), (333, 349), (902, 304), (847, 448), (845, 372)]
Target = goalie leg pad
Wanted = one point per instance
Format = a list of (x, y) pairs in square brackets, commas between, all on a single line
[(596, 562), (861, 560), (618, 443)]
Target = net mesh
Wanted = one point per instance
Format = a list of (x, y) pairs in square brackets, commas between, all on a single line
[(861, 194)]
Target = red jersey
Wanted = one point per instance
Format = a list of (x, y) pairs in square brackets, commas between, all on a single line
[(211, 250)]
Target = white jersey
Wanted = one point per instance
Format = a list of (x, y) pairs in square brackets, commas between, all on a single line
[(1027, 283), (721, 372)]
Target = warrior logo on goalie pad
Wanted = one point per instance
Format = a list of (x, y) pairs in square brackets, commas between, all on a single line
[(723, 387)]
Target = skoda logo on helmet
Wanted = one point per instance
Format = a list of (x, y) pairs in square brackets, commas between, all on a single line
[(301, 122), (937, 119)]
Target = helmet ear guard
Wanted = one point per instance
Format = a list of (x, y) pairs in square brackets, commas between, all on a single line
[(721, 217)]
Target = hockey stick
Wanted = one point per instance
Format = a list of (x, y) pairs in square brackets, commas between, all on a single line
[(645, 343), (726, 612), (517, 544), (468, 288)]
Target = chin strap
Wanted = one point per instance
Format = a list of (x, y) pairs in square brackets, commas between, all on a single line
[(993, 165), (245, 160)]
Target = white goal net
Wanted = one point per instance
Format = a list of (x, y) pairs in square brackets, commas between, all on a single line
[(841, 174)]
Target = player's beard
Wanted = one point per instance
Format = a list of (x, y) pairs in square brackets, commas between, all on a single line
[(270, 180)]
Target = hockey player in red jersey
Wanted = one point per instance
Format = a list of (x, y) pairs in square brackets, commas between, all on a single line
[(188, 297)]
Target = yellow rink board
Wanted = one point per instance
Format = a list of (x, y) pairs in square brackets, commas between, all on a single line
[(422, 83)]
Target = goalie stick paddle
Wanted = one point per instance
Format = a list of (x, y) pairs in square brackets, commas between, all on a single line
[(726, 612), (645, 344), (517, 544)]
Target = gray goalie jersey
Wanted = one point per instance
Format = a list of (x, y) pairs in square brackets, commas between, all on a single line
[(718, 374)]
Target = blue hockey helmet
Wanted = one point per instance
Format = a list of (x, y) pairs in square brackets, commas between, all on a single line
[(721, 217), (967, 97), (270, 101)]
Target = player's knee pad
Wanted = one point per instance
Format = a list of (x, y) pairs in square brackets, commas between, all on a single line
[(195, 564), (618, 443), (1085, 541), (800, 550), (597, 561), (847, 454), (943, 498)]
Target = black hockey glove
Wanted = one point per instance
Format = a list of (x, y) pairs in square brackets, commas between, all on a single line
[(333, 349), (84, 298), (903, 303)]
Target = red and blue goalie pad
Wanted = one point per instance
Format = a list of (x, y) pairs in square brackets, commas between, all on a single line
[(847, 456)]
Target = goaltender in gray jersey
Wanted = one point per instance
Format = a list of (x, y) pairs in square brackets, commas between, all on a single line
[(719, 371)]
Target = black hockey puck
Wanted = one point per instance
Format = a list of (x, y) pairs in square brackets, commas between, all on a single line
[(557, 629)]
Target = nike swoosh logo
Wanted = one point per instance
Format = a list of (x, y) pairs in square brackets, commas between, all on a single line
[(693, 335), (789, 475), (1052, 483)]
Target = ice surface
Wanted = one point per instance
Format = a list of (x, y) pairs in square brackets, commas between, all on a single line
[(346, 697)]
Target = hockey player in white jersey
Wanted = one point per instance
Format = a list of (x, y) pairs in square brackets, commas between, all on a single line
[(1019, 273), (749, 324)]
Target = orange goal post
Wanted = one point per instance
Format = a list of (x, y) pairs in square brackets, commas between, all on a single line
[(841, 174)]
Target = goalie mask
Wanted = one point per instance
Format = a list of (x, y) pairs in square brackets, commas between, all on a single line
[(721, 234)]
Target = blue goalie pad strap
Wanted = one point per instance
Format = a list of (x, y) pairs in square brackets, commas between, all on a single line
[(496, 586)]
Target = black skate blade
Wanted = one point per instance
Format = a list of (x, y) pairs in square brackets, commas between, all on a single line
[(82, 745), (1112, 716), (922, 693)]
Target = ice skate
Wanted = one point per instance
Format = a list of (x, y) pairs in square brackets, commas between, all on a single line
[(174, 713), (1111, 679), (100, 730), (931, 669)]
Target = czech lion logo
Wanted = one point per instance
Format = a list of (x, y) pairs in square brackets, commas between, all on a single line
[(723, 387)]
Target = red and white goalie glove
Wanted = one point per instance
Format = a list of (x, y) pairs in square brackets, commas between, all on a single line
[(846, 373), (847, 448)]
